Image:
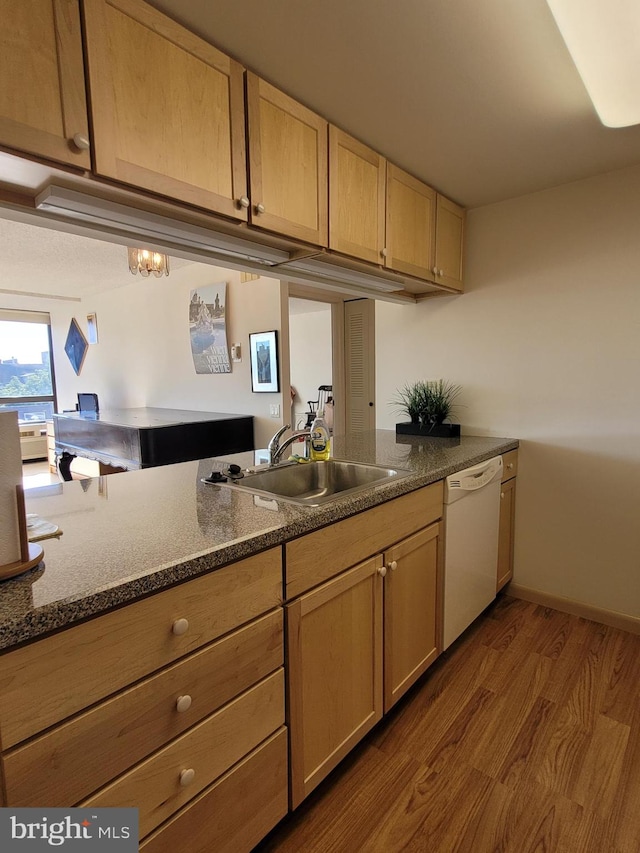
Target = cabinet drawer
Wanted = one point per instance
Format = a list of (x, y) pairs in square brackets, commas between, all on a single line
[(158, 786), (320, 555), (235, 813), (46, 681), (509, 465), (85, 753)]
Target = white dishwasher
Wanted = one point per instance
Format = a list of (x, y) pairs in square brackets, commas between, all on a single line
[(471, 517)]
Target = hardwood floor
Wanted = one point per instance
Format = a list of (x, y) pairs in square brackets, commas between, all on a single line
[(524, 736)]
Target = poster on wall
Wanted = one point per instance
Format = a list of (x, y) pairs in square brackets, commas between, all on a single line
[(207, 329)]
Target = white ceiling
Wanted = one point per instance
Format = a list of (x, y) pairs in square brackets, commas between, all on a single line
[(44, 262), (479, 98)]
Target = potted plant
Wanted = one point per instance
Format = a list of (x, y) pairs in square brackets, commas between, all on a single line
[(410, 400), (428, 404)]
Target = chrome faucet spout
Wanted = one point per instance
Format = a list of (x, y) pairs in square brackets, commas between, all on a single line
[(276, 449)]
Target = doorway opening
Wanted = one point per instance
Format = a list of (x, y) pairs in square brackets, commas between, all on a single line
[(332, 344)]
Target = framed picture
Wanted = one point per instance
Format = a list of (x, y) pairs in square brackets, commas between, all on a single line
[(76, 346), (263, 347), (92, 328)]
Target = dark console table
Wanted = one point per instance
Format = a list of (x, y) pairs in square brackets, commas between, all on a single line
[(144, 438)]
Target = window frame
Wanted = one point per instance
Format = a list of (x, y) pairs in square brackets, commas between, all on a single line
[(42, 318)]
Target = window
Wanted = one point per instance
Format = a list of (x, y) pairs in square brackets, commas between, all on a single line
[(27, 381)]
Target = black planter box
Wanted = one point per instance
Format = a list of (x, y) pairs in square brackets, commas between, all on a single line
[(435, 431)]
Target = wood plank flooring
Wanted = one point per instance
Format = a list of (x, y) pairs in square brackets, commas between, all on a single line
[(524, 736)]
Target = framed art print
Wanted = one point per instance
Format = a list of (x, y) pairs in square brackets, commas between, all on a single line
[(263, 347)]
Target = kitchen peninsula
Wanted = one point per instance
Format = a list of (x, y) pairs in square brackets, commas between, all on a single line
[(182, 699)]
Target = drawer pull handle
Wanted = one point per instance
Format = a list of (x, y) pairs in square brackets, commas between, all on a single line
[(179, 627), (187, 777), (183, 704)]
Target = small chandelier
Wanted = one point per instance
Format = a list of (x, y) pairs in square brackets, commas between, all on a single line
[(147, 263)]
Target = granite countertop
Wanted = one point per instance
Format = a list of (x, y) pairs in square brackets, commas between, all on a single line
[(126, 535)]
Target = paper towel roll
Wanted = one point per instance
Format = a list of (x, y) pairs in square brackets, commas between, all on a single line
[(10, 477)]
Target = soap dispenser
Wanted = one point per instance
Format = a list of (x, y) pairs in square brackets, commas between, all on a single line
[(320, 447)]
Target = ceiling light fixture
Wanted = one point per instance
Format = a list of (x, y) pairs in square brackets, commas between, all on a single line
[(604, 42), (147, 263)]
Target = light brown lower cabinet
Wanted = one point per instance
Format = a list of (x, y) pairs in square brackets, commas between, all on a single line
[(184, 718), (506, 532), (335, 672), (506, 529), (236, 812), (411, 626), (356, 645)]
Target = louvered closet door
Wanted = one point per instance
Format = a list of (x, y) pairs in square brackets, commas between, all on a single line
[(359, 350)]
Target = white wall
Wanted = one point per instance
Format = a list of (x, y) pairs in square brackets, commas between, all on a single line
[(546, 344), (311, 356), (144, 355)]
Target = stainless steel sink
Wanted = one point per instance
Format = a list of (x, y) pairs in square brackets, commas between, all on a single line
[(316, 483)]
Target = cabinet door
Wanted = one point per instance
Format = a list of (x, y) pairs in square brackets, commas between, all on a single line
[(449, 241), (411, 218), (356, 197), (335, 672), (411, 594), (167, 108), (288, 164), (42, 97), (505, 532)]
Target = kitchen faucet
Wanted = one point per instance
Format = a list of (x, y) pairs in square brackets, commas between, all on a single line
[(276, 449)]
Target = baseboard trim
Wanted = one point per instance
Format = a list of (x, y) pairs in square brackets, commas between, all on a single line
[(575, 608)]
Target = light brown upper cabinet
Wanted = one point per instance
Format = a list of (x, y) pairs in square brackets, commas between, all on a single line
[(43, 108), (167, 108), (449, 239), (287, 164), (356, 197), (411, 217)]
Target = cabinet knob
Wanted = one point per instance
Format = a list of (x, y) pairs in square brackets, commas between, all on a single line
[(183, 704), (434, 270), (179, 627), (81, 141), (187, 777), (440, 272), (510, 465), (243, 201), (393, 565), (382, 571), (383, 252), (502, 495), (260, 208)]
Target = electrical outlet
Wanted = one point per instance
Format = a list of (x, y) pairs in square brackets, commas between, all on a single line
[(274, 410)]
